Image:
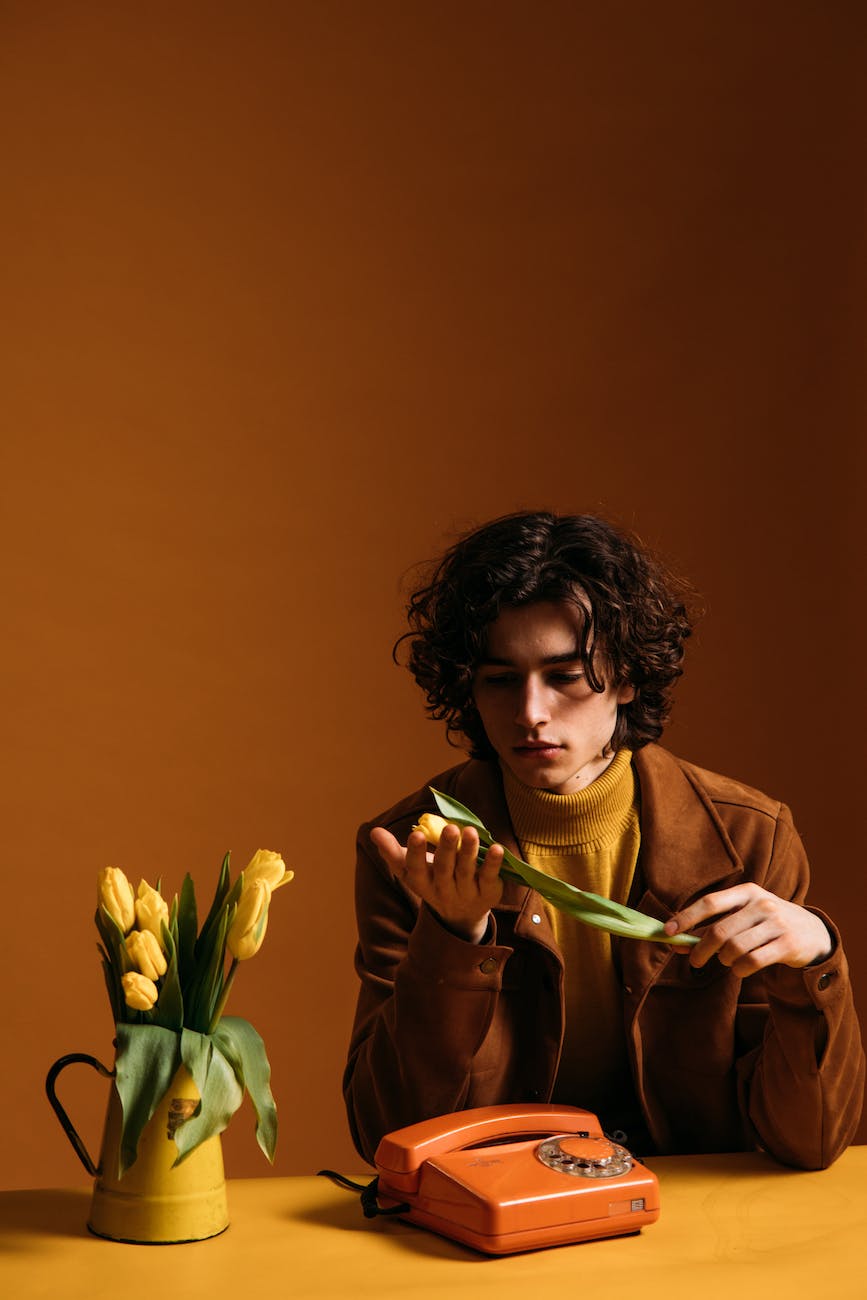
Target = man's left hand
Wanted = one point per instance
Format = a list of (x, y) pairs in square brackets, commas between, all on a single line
[(753, 929)]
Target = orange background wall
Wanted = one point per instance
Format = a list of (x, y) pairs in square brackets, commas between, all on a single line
[(294, 292)]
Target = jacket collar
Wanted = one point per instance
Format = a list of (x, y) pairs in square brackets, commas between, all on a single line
[(685, 849)]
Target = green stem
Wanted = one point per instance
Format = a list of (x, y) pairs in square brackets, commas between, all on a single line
[(224, 996)]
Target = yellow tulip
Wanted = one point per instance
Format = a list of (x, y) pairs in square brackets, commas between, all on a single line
[(114, 893), (247, 930), (139, 992), (151, 911), (432, 827), (146, 954), (266, 865)]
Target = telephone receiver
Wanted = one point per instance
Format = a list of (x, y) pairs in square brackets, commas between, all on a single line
[(510, 1178)]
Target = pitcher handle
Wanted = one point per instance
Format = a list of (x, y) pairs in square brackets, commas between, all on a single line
[(65, 1122)]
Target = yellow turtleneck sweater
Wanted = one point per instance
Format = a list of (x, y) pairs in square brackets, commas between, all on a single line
[(590, 839)]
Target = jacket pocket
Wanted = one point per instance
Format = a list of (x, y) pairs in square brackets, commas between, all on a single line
[(687, 1020)]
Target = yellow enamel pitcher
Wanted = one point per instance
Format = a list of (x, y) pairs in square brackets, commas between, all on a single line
[(152, 1202)]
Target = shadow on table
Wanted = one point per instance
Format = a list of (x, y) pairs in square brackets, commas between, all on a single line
[(60, 1213), (348, 1217)]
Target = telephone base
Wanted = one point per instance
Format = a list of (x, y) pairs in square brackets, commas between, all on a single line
[(505, 1179)]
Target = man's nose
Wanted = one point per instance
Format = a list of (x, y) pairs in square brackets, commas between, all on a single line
[(532, 709)]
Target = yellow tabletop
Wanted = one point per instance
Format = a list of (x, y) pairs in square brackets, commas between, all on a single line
[(731, 1226)]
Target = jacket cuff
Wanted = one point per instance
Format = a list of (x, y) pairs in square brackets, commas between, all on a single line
[(439, 955), (822, 985)]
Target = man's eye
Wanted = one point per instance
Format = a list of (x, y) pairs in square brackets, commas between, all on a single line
[(500, 679), (564, 679)]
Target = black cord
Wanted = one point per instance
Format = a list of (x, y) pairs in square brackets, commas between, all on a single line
[(341, 1179), (369, 1204)]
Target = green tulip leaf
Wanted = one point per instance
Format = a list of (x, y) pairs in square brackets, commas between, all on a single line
[(113, 938), (219, 1090), (196, 1053), (216, 906), (187, 925), (242, 1045), (593, 909), (221, 993), (208, 979), (147, 1059), (561, 893), (169, 1008), (112, 984), (455, 812)]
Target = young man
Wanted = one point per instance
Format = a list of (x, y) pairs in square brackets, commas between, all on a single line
[(551, 644)]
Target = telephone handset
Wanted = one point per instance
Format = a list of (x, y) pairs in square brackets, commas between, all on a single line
[(507, 1178), (400, 1155)]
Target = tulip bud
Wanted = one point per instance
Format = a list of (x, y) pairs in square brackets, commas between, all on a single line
[(151, 911), (265, 865), (432, 827), (114, 893), (247, 930), (139, 992), (146, 954)]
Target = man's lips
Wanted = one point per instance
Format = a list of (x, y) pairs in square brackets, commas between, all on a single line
[(537, 747)]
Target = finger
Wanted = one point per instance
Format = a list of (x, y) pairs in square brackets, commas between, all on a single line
[(489, 882), (708, 906), (757, 959), (442, 865), (446, 852), (489, 871), (416, 850), (729, 938), (436, 879), (415, 869), (388, 848), (466, 862), (732, 951)]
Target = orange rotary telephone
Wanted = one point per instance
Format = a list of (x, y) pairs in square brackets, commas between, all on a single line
[(508, 1178)]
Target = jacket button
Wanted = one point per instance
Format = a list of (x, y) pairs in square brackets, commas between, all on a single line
[(824, 980), (488, 966), (536, 918)]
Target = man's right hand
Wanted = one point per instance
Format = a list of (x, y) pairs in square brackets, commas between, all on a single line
[(460, 892)]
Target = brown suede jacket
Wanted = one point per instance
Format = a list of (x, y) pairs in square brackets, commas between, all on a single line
[(718, 1063)]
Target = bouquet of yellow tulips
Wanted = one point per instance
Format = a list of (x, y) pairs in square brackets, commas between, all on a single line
[(168, 981)]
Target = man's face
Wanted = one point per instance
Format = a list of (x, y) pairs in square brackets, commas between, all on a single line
[(539, 712)]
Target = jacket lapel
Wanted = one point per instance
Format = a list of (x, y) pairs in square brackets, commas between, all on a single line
[(685, 849), (480, 788)]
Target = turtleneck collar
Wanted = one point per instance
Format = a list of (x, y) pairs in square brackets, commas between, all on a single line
[(590, 818)]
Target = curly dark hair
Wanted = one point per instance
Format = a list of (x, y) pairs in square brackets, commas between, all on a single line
[(633, 617)]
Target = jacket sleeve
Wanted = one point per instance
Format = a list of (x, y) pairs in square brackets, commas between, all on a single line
[(425, 1004), (802, 1085)]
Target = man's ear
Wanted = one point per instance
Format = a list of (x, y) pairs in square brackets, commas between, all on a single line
[(625, 693)]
